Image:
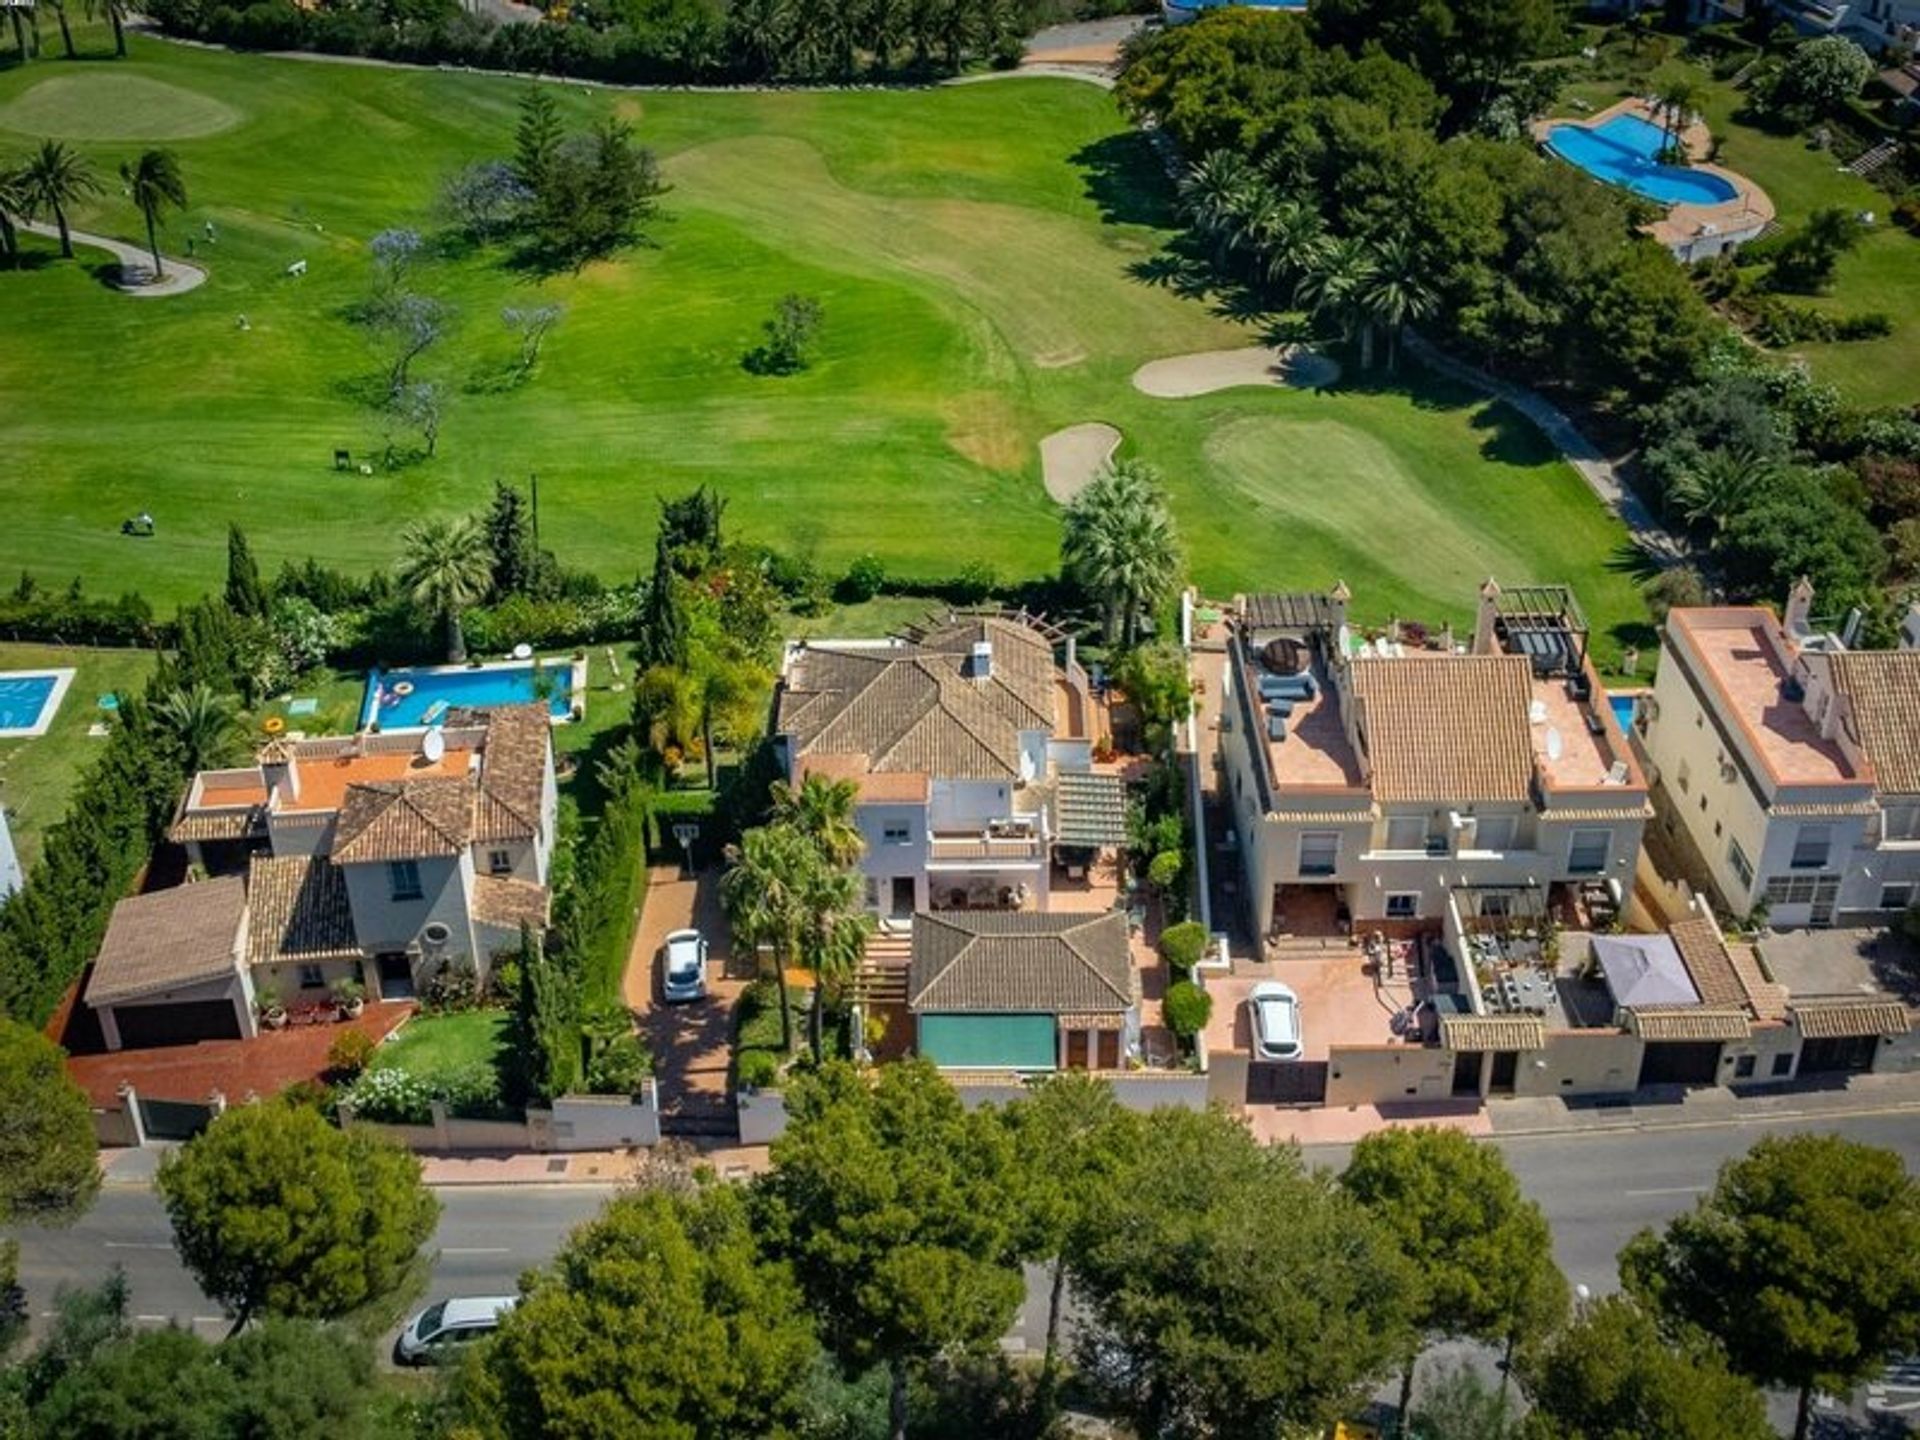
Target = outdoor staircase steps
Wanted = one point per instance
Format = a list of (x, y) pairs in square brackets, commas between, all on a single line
[(882, 977), (1875, 158)]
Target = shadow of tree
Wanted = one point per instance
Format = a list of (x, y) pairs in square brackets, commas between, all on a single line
[(1124, 178)]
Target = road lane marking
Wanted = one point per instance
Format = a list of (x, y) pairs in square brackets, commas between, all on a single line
[(475, 1250), (1669, 1190), (138, 1245)]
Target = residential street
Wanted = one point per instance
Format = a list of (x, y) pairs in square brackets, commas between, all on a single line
[(1597, 1188)]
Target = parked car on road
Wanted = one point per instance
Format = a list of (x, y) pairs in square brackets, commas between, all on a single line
[(1273, 1011), (441, 1331), (684, 966)]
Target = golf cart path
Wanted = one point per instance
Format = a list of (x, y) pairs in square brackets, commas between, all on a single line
[(1183, 376), (1070, 458), (180, 277)]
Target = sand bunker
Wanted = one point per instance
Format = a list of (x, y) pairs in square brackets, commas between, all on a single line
[(1070, 458), (1183, 376)]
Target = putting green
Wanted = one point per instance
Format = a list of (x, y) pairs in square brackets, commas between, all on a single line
[(116, 107)]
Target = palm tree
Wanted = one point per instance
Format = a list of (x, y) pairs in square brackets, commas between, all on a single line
[(1119, 545), (13, 201), (833, 938), (1393, 295), (1213, 190), (55, 178), (1712, 491), (445, 566), (66, 30), (1296, 243), (762, 892), (822, 810), (154, 183), (1333, 288), (1675, 102), (205, 725), (116, 12)]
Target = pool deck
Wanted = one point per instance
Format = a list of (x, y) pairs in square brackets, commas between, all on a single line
[(576, 669), (62, 678), (1683, 226)]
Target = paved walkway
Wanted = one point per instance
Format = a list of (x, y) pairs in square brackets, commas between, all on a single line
[(136, 265), (691, 1044), (1713, 1106), (1600, 473)]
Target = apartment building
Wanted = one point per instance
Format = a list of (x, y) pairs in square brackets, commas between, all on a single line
[(1382, 784)]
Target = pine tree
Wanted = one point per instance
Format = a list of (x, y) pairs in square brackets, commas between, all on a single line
[(245, 594), (510, 538)]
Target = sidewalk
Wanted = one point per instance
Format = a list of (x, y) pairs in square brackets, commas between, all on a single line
[(1693, 1109)]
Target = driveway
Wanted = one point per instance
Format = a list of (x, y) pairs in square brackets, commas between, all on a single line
[(691, 1044)]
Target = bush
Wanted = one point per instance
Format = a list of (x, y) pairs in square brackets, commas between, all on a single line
[(1182, 945), (392, 1097), (350, 1052), (863, 580), (472, 1090), (620, 1067), (451, 988), (1187, 1008), (1163, 871), (757, 1069)]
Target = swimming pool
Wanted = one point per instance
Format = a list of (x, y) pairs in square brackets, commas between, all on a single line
[(1625, 151), (1624, 707), (29, 700), (1177, 11), (397, 699)]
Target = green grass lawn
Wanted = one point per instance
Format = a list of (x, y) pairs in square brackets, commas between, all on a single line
[(37, 775), (972, 247), (429, 1045), (1882, 273)]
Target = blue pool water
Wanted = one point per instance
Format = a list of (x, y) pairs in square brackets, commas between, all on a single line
[(22, 698), (492, 685), (1178, 10), (1624, 151), (1623, 708)]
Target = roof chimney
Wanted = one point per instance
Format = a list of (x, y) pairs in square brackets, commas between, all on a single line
[(981, 665), (1798, 620), (1337, 599), (279, 771), (1483, 637)]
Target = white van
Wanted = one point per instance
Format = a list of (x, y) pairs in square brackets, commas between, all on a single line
[(440, 1331)]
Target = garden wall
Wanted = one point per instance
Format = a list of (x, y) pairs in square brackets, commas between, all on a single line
[(761, 1116), (576, 1122)]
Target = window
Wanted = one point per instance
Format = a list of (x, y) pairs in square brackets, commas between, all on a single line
[(1742, 866), (1319, 852), (896, 835), (1496, 907), (311, 978), (1683, 777), (1810, 847), (1783, 1064), (1743, 1067), (1495, 832), (499, 862), (1406, 832), (1901, 822), (1896, 897), (1404, 905), (403, 880), (1587, 854)]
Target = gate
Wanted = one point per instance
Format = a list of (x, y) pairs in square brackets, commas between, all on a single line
[(173, 1119)]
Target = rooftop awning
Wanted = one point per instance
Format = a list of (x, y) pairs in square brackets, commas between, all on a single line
[(1091, 809)]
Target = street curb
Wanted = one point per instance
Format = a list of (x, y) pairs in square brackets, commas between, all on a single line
[(1643, 1126)]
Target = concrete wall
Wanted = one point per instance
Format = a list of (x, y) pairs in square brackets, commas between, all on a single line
[(603, 1122), (970, 804), (1898, 1054), (1380, 1075), (761, 1116), (285, 980), (1581, 1062), (884, 860), (1763, 1045)]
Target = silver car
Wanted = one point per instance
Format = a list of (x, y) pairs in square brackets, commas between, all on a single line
[(440, 1331), (1273, 1011), (684, 966)]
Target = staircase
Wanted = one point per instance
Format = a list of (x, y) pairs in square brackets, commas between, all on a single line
[(1876, 158), (882, 977)]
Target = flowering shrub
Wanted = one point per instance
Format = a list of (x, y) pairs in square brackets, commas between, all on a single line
[(392, 1097)]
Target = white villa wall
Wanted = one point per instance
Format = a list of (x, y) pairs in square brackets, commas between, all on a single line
[(1581, 1062), (1763, 1044), (884, 859), (970, 804), (381, 923), (1388, 1075)]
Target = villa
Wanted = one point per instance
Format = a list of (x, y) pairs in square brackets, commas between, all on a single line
[(379, 859), (1386, 786), (1788, 764), (971, 744)]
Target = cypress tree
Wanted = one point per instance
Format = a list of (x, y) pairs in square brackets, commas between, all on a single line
[(245, 594), (510, 538), (663, 625)]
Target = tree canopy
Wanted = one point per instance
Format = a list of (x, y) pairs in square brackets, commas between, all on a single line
[(277, 1212), (49, 1167), (1804, 1261)]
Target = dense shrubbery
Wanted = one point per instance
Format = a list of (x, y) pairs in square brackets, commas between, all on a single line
[(71, 617)]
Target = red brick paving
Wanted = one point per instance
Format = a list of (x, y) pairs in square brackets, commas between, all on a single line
[(262, 1066)]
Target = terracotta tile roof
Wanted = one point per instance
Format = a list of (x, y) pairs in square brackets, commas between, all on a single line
[(404, 820), (1446, 729), (1708, 962), (1839, 1019), (1884, 688), (513, 769), (1687, 1022), (1006, 961), (916, 706), (1641, 811), (247, 824), (506, 903), (907, 787), (297, 909), (1817, 808), (1767, 999), (1492, 1032), (169, 939)]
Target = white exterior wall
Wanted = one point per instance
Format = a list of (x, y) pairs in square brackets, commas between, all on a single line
[(382, 924), (884, 860), (970, 804)]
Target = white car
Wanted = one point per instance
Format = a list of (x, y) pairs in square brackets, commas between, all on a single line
[(439, 1332), (1273, 1011), (684, 966)]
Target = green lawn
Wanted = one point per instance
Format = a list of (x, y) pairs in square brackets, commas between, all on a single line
[(429, 1045), (1882, 273), (37, 775), (972, 247)]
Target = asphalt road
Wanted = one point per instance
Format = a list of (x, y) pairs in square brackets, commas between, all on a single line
[(1598, 1189)]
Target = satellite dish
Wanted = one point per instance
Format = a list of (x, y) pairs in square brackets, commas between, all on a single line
[(1556, 747), (433, 747)]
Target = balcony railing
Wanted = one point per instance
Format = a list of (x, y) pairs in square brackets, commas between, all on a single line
[(980, 848)]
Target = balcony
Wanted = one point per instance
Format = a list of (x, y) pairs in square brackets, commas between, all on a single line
[(995, 847)]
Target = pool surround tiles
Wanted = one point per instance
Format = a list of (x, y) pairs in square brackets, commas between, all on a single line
[(469, 687)]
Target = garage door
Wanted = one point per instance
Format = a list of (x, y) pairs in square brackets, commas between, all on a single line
[(1681, 1064), (989, 1042), (189, 1021)]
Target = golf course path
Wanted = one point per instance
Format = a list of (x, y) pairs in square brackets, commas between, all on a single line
[(135, 263), (1184, 376), (1070, 458)]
